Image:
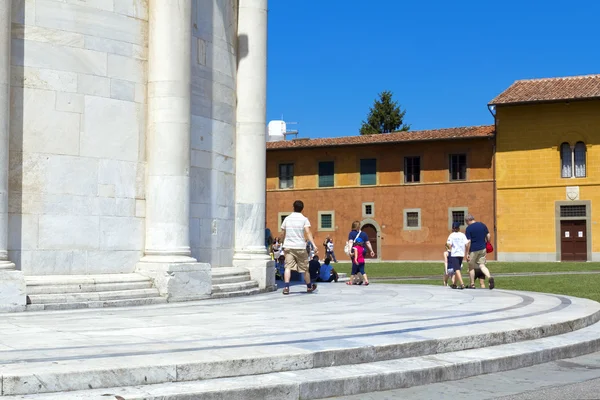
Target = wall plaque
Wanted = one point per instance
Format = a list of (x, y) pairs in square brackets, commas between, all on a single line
[(572, 193)]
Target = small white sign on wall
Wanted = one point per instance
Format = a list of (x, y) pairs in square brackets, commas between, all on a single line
[(567, 234), (572, 193), (580, 234)]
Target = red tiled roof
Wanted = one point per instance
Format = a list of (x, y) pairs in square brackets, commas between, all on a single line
[(550, 89), (465, 132)]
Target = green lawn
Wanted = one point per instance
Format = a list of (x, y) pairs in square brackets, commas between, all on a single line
[(585, 286), (385, 269)]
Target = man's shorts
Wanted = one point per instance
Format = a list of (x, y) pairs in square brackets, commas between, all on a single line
[(296, 260), (479, 274), (455, 263), (477, 258)]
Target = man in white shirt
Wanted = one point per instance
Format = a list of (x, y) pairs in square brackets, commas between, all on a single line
[(294, 227), (457, 242)]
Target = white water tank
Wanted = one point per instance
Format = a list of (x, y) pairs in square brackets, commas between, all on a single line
[(276, 131)]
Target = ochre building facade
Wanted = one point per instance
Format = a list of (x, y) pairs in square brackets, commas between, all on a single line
[(548, 175), (405, 188)]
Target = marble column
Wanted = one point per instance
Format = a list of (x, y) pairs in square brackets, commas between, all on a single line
[(250, 185), (4, 129), (12, 282), (167, 249)]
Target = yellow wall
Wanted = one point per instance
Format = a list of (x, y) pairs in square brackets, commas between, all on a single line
[(528, 175)]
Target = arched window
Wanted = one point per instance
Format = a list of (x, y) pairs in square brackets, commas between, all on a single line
[(566, 161), (580, 160)]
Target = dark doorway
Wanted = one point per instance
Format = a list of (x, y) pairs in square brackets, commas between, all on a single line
[(371, 231), (573, 241)]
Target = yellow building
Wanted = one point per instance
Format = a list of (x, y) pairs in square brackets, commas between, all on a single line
[(548, 170)]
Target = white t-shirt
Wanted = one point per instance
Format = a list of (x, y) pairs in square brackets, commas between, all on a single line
[(458, 241), (330, 246), (294, 225)]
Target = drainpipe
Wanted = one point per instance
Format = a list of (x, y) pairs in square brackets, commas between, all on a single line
[(492, 110)]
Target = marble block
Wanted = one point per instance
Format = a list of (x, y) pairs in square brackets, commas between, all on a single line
[(261, 271), (179, 281), (12, 291)]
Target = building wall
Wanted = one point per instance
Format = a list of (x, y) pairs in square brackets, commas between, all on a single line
[(77, 139), (434, 195), (213, 131), (529, 175)]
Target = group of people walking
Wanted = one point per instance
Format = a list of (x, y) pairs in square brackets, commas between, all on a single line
[(297, 237), (299, 245), (474, 244)]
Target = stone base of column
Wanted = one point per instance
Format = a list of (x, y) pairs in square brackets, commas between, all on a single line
[(7, 265), (13, 294), (178, 281), (261, 267)]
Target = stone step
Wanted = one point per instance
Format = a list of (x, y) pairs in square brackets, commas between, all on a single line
[(223, 272), (304, 382), (87, 287), (234, 287), (92, 296), (238, 293), (98, 304), (56, 280), (220, 280)]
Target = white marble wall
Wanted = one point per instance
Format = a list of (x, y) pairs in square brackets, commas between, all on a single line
[(213, 131), (77, 145)]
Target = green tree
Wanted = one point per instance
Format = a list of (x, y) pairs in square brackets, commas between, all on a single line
[(384, 117)]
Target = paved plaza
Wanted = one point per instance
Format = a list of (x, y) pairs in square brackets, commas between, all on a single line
[(341, 340)]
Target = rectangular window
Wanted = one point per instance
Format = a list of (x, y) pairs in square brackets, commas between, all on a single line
[(573, 211), (412, 219), (368, 171), (579, 154), (326, 174), (457, 214), (286, 176), (368, 210), (326, 221), (412, 169), (458, 167), (282, 216), (566, 161)]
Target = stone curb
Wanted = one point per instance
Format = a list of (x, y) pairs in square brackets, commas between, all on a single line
[(500, 275), (352, 380), (79, 378)]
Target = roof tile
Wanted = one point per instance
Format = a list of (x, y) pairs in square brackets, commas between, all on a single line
[(550, 89), (466, 132)]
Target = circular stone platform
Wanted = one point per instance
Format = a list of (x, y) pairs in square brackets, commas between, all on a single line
[(340, 340)]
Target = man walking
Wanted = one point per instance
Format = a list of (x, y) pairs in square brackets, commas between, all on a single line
[(294, 227), (477, 235), (357, 232)]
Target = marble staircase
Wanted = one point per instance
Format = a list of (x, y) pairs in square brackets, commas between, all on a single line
[(232, 282), (56, 292), (121, 290)]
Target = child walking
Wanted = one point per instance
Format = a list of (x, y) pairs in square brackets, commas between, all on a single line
[(448, 272), (457, 241), (358, 262)]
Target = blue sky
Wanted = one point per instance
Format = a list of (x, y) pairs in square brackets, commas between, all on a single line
[(443, 61)]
